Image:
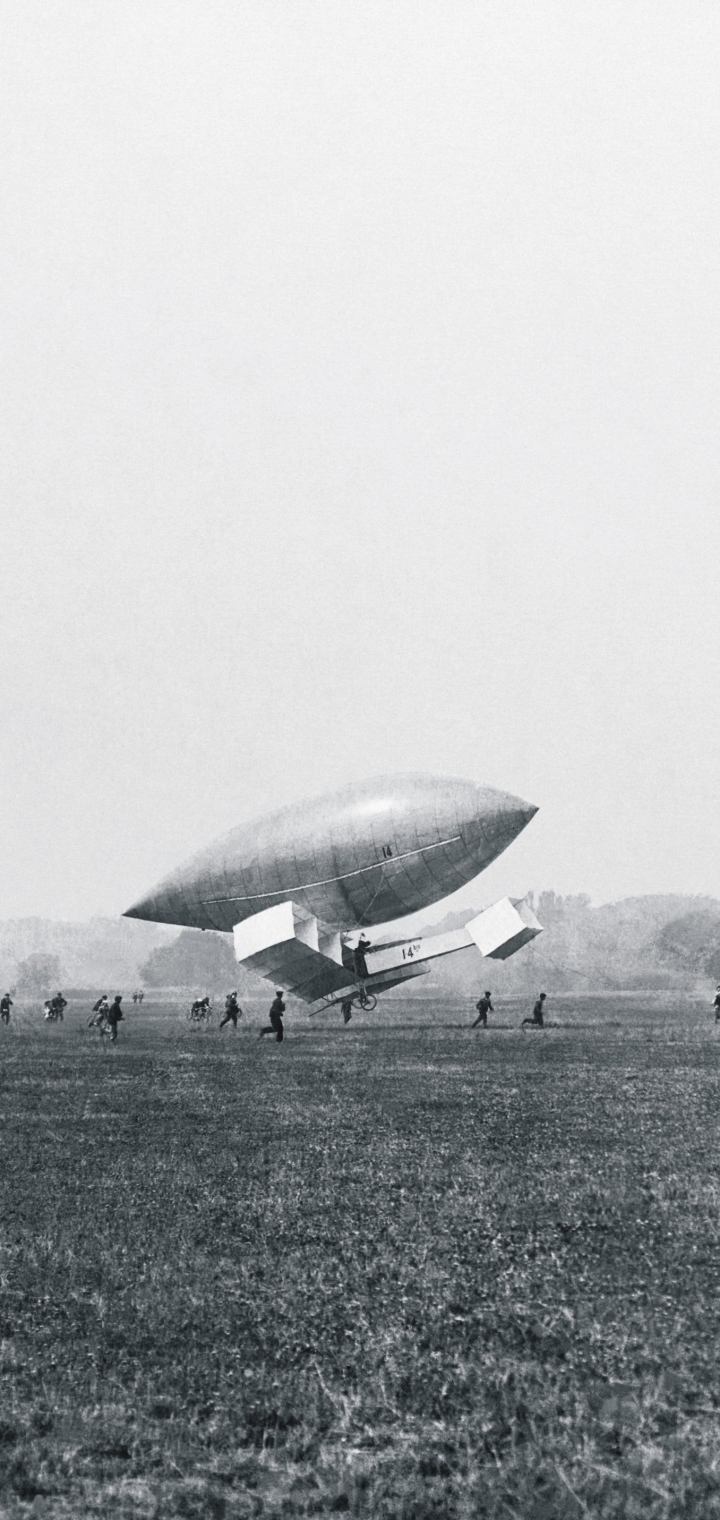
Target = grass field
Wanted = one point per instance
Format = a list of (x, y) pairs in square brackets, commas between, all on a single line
[(399, 1270)]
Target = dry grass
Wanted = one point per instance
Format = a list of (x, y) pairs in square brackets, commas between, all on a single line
[(401, 1271)]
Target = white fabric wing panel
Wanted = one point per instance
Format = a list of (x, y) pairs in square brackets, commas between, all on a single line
[(504, 928), (281, 944)]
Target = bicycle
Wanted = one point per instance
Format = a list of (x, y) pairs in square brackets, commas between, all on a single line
[(200, 1012)]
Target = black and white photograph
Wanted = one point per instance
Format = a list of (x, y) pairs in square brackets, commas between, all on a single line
[(359, 760)]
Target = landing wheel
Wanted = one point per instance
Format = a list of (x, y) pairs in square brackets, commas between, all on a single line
[(366, 1000)]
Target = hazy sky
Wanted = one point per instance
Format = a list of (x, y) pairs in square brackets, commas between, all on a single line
[(361, 390)]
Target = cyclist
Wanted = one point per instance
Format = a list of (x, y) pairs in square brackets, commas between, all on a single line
[(200, 1008), (99, 1012)]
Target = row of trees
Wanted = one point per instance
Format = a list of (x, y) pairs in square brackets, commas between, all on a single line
[(192, 960), (38, 974), (642, 941)]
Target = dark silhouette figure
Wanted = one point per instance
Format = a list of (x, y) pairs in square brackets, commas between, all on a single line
[(58, 1006), (6, 1003), (361, 970), (276, 1024), (537, 1014), (233, 1011), (114, 1015), (346, 1007), (716, 1004), (484, 1007)]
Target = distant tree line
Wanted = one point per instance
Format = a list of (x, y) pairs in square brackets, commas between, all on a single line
[(692, 943), (194, 959), (669, 941), (38, 974)]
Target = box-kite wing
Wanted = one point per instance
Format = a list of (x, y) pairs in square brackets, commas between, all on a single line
[(294, 949)]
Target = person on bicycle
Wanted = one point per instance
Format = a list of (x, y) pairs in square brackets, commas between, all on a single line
[(233, 1011), (6, 1003), (114, 1015), (276, 1012), (99, 1010)]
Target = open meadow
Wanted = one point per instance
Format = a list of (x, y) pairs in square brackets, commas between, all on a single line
[(399, 1270)]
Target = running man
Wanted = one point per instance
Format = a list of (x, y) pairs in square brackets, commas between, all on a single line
[(6, 1003), (114, 1015), (537, 1014), (484, 1007), (233, 1011), (276, 1012)]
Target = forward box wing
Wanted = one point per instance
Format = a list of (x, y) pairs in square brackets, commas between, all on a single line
[(293, 949)]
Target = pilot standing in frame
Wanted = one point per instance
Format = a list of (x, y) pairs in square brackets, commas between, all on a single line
[(361, 970)]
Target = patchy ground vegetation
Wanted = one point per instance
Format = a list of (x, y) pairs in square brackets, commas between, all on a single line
[(401, 1271)]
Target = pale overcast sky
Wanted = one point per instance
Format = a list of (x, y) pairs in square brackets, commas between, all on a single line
[(361, 390)]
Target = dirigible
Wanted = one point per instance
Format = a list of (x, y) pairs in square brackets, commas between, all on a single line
[(297, 888)]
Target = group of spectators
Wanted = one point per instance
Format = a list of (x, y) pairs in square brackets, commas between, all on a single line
[(106, 1016)]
